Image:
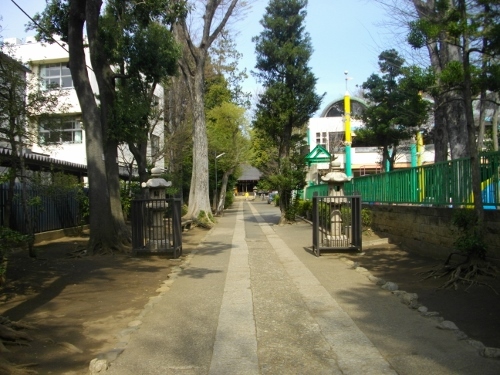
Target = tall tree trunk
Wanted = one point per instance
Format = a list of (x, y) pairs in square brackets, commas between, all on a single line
[(440, 134), (199, 198), (192, 66), (105, 82), (178, 129), (456, 121), (441, 53), (471, 128), (494, 124), (223, 190), (102, 230)]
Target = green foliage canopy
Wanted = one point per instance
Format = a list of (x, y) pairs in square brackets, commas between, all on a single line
[(283, 50), (397, 107)]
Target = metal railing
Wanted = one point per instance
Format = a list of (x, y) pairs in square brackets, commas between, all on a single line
[(156, 226), (336, 223), (446, 183)]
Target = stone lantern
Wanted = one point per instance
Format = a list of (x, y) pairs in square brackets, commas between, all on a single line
[(156, 207), (336, 179)]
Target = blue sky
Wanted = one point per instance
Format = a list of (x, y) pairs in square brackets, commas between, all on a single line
[(344, 33)]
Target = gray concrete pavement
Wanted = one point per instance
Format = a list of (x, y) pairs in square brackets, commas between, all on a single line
[(254, 300)]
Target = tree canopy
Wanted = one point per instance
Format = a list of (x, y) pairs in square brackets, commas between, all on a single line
[(127, 42), (396, 107)]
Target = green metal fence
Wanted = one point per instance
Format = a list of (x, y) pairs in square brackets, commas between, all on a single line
[(318, 190), (441, 184)]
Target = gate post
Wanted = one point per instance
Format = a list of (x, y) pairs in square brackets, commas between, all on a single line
[(315, 221)]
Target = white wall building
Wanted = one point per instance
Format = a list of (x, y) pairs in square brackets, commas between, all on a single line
[(49, 62), (328, 130)]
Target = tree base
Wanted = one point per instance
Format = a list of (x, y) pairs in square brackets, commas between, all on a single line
[(467, 272), (10, 335)]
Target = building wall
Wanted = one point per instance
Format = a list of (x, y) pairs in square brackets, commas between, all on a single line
[(35, 55), (428, 230), (363, 159)]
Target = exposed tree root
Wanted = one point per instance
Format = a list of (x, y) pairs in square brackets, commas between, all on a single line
[(9, 332), (10, 335), (11, 369), (82, 251), (467, 272)]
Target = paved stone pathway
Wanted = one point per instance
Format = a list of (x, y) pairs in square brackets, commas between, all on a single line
[(253, 300)]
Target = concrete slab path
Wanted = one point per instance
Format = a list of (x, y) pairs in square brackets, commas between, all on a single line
[(253, 299)]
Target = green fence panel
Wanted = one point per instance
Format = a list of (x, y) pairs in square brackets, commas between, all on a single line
[(320, 190), (440, 184)]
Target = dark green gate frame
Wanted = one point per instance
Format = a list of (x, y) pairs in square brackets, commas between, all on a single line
[(337, 223)]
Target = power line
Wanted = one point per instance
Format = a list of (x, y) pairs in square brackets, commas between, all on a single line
[(38, 26), (45, 31)]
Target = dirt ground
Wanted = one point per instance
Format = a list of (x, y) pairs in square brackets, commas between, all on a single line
[(474, 309), (78, 305)]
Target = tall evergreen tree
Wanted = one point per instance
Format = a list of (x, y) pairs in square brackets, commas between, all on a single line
[(289, 99)]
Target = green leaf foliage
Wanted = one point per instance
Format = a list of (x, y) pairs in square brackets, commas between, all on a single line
[(396, 104), (477, 22), (469, 240), (224, 58), (138, 46), (396, 107)]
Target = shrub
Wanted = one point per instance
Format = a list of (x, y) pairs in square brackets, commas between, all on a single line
[(228, 201), (292, 210), (366, 218), (127, 193), (346, 214), (276, 200), (469, 240), (205, 220), (8, 239), (304, 208)]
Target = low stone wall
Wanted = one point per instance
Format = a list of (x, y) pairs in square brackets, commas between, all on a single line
[(428, 230), (60, 233)]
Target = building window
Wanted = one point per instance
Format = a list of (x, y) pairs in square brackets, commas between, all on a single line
[(336, 142), (56, 76), (321, 139), (337, 109), (61, 130), (155, 145)]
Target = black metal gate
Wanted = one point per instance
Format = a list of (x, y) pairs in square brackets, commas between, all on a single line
[(156, 226), (336, 223)]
